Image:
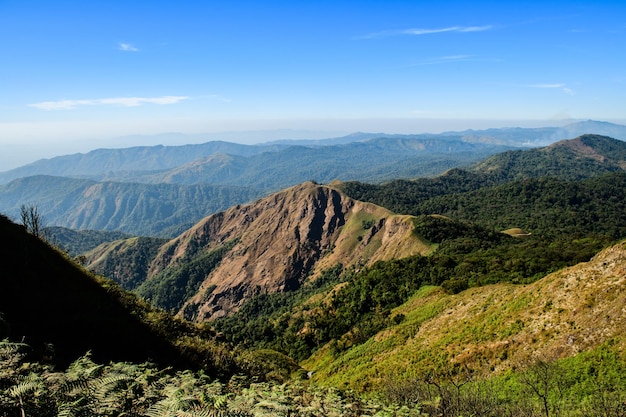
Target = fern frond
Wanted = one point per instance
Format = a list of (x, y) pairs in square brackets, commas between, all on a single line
[(73, 408), (29, 384)]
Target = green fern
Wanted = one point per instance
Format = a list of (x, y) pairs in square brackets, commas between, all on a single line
[(30, 385)]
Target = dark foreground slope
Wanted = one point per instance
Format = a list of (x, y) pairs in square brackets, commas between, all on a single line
[(61, 312)]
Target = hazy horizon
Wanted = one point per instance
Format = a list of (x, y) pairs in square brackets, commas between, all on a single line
[(76, 77), (19, 154)]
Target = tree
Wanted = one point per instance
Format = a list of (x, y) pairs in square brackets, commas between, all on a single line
[(32, 220), (544, 379)]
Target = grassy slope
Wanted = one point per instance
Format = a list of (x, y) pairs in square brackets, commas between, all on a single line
[(491, 329)]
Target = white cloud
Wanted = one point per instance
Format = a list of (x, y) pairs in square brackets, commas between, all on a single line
[(127, 47), (115, 101), (461, 29), (421, 31), (443, 60), (563, 87)]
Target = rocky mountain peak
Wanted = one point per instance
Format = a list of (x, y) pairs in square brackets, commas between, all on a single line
[(280, 241)]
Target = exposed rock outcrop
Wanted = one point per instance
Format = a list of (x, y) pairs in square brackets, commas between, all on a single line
[(280, 241)]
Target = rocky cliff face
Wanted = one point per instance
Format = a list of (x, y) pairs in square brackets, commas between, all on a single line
[(280, 241)]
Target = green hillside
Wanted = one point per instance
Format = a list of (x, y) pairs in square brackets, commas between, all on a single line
[(502, 349), (583, 157), (75, 242), (137, 209), (503, 190)]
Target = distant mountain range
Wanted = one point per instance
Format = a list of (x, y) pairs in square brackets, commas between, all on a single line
[(338, 158), (266, 167), (161, 190)]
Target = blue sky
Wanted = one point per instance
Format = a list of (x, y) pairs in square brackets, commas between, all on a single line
[(74, 73)]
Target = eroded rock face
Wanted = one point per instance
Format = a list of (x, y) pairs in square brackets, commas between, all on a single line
[(280, 240)]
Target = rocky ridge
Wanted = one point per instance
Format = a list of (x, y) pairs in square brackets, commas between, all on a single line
[(279, 242)]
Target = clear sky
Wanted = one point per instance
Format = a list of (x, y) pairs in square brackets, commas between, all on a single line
[(76, 72)]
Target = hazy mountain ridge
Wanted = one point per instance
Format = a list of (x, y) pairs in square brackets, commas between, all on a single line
[(371, 159), (140, 209), (130, 164), (587, 156), (139, 158), (543, 136)]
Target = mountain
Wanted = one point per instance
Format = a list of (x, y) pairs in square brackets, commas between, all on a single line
[(587, 156), (140, 159), (139, 209), (375, 159), (582, 157), (275, 244), (75, 242), (492, 330), (62, 312), (543, 136)]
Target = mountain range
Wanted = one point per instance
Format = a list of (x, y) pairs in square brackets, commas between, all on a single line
[(175, 186), (491, 289), (281, 242), (247, 162)]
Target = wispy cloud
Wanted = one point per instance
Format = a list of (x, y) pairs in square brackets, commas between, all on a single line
[(560, 86), (443, 60), (422, 31), (127, 47), (115, 101)]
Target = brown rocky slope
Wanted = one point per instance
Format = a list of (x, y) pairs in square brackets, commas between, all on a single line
[(278, 242)]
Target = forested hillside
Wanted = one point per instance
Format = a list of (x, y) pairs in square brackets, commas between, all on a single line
[(75, 242), (137, 209), (67, 308), (584, 157)]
